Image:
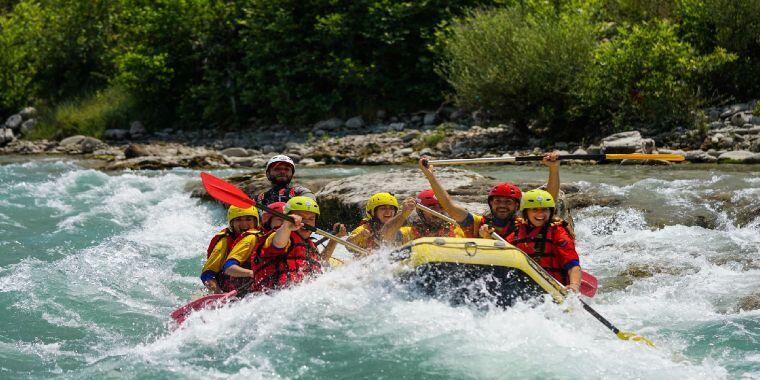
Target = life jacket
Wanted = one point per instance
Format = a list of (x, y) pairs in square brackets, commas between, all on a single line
[(274, 195), (374, 227), (501, 231), (224, 234), (288, 268), (538, 243), (229, 283), (420, 229)]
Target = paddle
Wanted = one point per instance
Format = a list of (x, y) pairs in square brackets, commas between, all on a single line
[(437, 214), (592, 157), (226, 192), (623, 335)]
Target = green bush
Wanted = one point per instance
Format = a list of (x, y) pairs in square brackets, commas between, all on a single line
[(90, 116), (731, 25), (518, 65), (644, 78)]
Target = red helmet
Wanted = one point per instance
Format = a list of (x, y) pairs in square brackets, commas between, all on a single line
[(427, 198), (506, 189), (276, 206)]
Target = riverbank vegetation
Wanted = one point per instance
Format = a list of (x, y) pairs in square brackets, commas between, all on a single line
[(566, 68)]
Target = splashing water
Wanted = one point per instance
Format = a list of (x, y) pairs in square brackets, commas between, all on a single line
[(92, 263)]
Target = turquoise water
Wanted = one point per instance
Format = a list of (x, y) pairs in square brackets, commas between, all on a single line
[(92, 263)]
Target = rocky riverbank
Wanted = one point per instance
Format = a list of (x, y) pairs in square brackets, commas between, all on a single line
[(731, 135)]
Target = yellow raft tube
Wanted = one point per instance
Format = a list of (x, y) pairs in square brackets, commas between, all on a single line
[(467, 270)]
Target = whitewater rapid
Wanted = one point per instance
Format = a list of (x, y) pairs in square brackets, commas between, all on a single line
[(92, 263)]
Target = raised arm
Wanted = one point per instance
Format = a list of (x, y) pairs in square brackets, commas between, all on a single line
[(339, 230), (455, 211), (390, 229), (551, 160)]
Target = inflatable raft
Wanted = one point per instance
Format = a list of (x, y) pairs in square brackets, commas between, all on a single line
[(464, 270)]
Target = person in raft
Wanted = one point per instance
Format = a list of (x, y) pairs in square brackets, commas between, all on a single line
[(280, 170), (271, 222), (503, 202), (544, 237), (240, 221), (373, 231), (288, 255), (426, 224)]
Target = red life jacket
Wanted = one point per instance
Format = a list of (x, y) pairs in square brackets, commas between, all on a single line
[(223, 234), (501, 231), (285, 193), (540, 244), (276, 271)]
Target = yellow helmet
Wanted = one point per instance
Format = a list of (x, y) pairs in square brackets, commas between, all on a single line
[(302, 203), (236, 212), (380, 199), (536, 198)]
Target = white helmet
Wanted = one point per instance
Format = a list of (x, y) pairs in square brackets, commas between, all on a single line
[(280, 158)]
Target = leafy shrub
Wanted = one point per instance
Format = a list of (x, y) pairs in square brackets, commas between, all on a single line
[(731, 25), (518, 65), (90, 116), (644, 78)]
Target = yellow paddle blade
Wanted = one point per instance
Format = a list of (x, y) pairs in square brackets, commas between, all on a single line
[(642, 156), (626, 335)]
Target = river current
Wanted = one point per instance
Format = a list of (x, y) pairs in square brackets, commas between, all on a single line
[(92, 263)]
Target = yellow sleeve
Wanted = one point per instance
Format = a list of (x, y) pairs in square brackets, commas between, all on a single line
[(242, 250), (458, 232), (270, 239), (218, 256), (360, 241)]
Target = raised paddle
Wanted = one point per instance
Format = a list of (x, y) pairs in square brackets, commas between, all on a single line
[(228, 193), (591, 157), (623, 335), (437, 214)]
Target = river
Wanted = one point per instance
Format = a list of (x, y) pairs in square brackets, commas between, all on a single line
[(92, 263)]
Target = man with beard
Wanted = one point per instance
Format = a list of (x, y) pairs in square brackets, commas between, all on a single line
[(280, 170), (503, 202)]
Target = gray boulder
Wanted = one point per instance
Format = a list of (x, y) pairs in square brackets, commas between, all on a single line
[(14, 122), (115, 134), (28, 126), (329, 124), (739, 157), (627, 142), (6, 136), (90, 144), (137, 129), (235, 152), (741, 118), (430, 118), (397, 126), (355, 122), (699, 156), (28, 113), (72, 141)]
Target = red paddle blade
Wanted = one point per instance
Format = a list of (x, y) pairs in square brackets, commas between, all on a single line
[(225, 192), (211, 301), (588, 284)]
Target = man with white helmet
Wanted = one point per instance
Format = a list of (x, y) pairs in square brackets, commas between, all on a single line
[(280, 170)]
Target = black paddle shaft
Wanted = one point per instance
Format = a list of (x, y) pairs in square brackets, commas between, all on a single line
[(600, 318), (592, 157), (282, 216)]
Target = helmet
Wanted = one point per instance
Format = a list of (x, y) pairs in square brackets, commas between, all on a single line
[(380, 199), (427, 198), (537, 199), (278, 159), (236, 212), (505, 189), (301, 203), (276, 206)]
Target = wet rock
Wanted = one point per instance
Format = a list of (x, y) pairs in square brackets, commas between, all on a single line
[(200, 161), (116, 134), (137, 130), (750, 302), (699, 156), (739, 157), (14, 122), (235, 152), (72, 141), (627, 142), (90, 144), (141, 150)]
